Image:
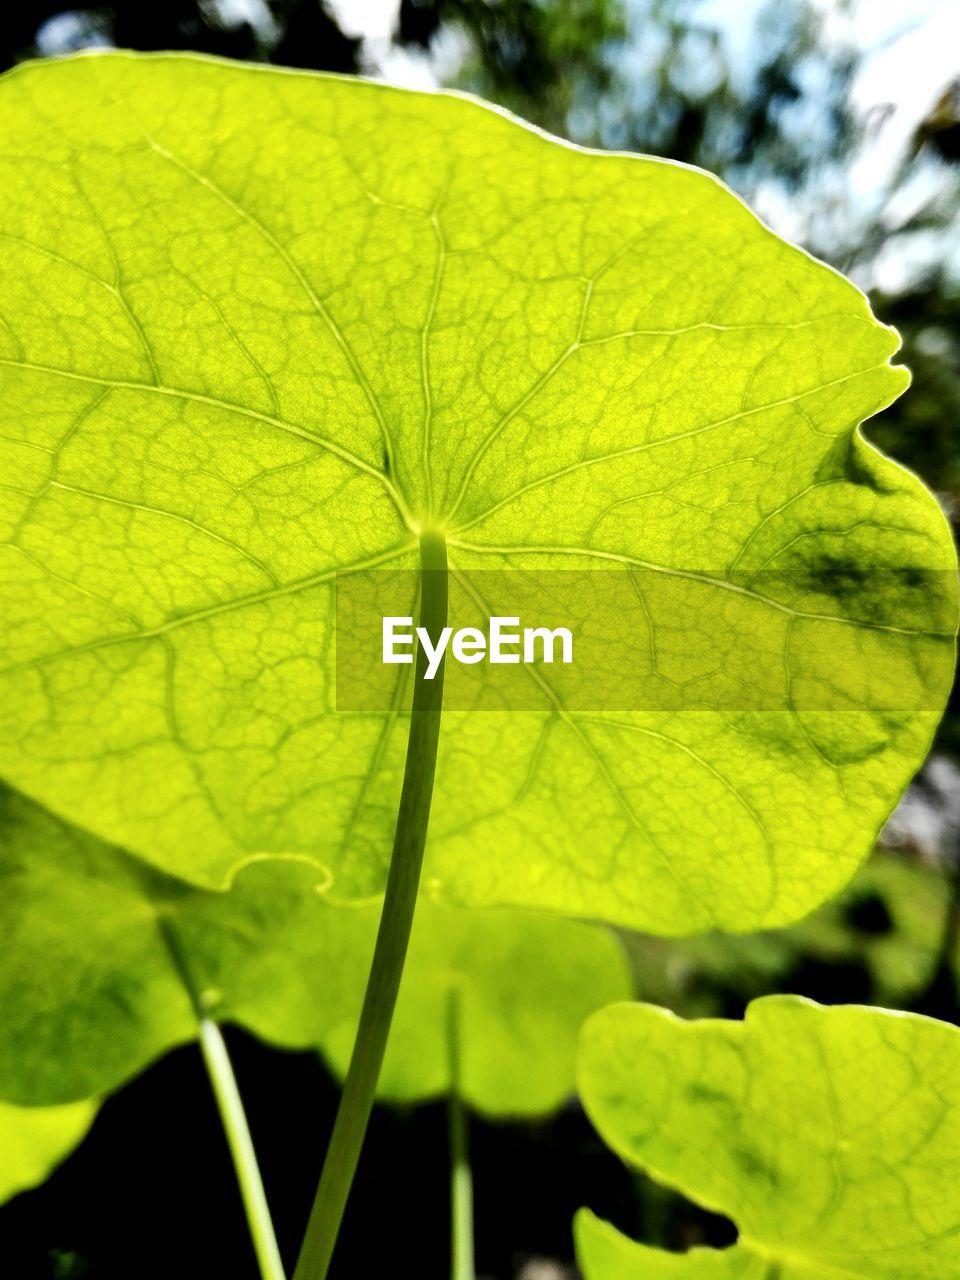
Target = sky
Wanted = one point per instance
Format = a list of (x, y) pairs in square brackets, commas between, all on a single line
[(917, 55)]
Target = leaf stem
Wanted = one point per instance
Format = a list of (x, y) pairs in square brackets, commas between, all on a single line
[(235, 1126), (462, 1263), (393, 935), (227, 1095)]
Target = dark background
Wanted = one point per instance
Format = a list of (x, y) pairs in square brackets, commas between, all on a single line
[(766, 94)]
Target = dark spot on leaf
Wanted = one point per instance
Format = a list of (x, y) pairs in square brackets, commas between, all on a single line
[(755, 1165), (838, 577), (697, 1092)]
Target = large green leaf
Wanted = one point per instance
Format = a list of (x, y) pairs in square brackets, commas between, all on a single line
[(259, 327), (106, 962), (831, 1136), (34, 1140)]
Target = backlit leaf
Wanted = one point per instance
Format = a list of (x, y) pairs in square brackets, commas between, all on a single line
[(260, 327), (831, 1136), (106, 962)]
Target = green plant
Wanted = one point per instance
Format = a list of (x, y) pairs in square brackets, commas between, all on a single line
[(831, 1136), (339, 328), (108, 963), (148, 957)]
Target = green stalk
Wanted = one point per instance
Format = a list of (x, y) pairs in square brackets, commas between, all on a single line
[(462, 1263), (235, 1126), (229, 1104), (393, 935)]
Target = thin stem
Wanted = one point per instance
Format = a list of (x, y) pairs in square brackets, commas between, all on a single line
[(393, 935), (227, 1095), (235, 1126), (462, 1264)]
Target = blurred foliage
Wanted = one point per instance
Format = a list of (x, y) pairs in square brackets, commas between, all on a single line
[(542, 61), (923, 428), (889, 940), (299, 33)]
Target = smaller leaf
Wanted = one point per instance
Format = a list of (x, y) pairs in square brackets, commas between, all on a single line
[(605, 1254), (525, 984), (107, 964), (34, 1140), (831, 1136)]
